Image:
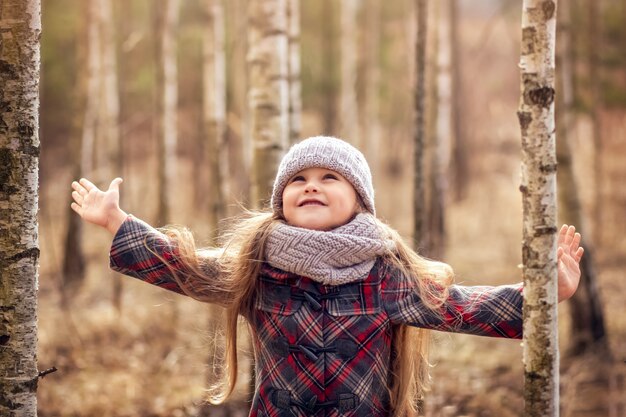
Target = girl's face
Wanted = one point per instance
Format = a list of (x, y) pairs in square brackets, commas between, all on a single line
[(319, 199)]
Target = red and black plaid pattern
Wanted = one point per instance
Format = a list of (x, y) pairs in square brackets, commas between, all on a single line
[(325, 350)]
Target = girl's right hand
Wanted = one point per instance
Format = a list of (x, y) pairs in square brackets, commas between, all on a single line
[(99, 207)]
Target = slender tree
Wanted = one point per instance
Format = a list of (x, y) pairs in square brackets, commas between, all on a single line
[(329, 57), (419, 206), (214, 122), (538, 187), (459, 169), (348, 98), (167, 13), (19, 172), (268, 91), (372, 134), (295, 87), (587, 318)]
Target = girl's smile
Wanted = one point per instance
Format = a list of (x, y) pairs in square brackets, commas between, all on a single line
[(319, 199)]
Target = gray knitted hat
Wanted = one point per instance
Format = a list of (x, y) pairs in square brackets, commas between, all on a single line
[(325, 152)]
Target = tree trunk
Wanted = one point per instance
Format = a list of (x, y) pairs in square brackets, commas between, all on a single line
[(214, 121), (330, 106), (19, 172), (214, 111), (268, 92), (94, 65), (538, 187), (110, 110), (167, 99), (439, 154), (295, 87), (587, 318), (595, 44), (372, 135), (460, 153), (80, 150), (419, 206), (349, 106)]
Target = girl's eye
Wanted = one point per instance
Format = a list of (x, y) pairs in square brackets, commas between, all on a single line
[(297, 178), (331, 176)]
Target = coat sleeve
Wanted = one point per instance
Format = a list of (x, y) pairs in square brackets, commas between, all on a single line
[(480, 310), (138, 250)]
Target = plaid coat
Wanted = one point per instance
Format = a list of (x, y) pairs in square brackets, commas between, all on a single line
[(326, 350)]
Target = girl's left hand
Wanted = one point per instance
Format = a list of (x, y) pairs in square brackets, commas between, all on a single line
[(568, 254)]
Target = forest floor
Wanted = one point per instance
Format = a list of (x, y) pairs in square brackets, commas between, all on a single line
[(149, 359)]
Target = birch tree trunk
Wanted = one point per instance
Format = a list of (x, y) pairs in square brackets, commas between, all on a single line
[(214, 110), (439, 154), (268, 94), (594, 45), (372, 134), (330, 106), (214, 121), (587, 319), (419, 203), (94, 65), (20, 23), (80, 150), (538, 187), (348, 104), (167, 99), (459, 165), (110, 101), (295, 86), (110, 110)]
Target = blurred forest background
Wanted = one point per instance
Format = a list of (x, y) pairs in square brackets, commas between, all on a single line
[(124, 348)]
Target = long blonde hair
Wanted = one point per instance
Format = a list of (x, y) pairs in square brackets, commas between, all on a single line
[(232, 281)]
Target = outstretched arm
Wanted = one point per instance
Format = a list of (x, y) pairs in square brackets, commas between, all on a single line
[(99, 207), (569, 253)]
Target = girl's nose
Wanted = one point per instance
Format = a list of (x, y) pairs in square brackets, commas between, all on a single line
[(310, 187)]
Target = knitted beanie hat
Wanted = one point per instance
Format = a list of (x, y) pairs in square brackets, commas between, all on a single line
[(330, 153)]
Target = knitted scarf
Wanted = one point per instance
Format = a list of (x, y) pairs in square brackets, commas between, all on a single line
[(333, 257)]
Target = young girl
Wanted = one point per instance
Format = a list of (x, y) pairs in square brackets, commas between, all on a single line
[(338, 305)]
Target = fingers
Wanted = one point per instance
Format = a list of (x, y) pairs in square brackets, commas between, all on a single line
[(88, 185), (115, 184), (579, 254), (78, 198), (78, 209)]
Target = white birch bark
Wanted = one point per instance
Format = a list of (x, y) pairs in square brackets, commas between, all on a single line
[(538, 187), (214, 119), (20, 30), (372, 135), (419, 206), (268, 94), (94, 64), (295, 86), (167, 86), (348, 98), (214, 110), (110, 123)]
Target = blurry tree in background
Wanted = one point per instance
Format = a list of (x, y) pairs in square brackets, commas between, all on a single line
[(268, 94), (587, 319), (20, 21), (349, 109), (372, 133), (214, 123), (166, 21), (295, 84), (419, 181)]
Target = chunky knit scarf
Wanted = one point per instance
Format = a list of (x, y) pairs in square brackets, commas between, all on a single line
[(333, 257)]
